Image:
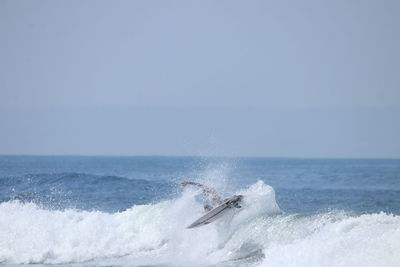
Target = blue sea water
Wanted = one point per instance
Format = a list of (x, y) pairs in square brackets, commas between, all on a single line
[(132, 211)]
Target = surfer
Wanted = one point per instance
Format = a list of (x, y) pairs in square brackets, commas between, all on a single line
[(210, 193), (218, 206)]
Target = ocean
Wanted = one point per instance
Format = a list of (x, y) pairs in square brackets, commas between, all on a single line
[(132, 211)]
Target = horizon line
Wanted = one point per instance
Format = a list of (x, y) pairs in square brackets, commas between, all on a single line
[(197, 156)]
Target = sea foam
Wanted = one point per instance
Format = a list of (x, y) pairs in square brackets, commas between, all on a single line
[(155, 234), (367, 240)]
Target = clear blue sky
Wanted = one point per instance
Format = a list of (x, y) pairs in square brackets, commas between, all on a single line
[(238, 78)]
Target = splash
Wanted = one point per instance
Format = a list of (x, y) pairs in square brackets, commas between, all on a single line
[(156, 234)]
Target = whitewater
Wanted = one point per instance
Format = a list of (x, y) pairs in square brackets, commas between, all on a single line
[(55, 217), (259, 234)]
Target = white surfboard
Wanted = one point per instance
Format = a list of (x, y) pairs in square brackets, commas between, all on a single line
[(217, 212)]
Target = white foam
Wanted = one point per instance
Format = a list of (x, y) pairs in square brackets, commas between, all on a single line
[(157, 234), (367, 240)]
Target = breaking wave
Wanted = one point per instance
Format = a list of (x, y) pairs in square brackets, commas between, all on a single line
[(155, 234)]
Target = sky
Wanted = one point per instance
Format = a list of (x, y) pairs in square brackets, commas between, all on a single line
[(219, 78)]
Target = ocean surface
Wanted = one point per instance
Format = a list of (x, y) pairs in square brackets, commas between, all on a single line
[(132, 211)]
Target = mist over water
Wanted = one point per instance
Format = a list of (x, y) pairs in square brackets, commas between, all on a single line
[(131, 211)]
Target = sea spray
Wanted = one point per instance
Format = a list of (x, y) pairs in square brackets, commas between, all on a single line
[(155, 234)]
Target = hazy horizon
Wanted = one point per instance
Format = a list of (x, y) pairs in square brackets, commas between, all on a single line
[(204, 132), (195, 156)]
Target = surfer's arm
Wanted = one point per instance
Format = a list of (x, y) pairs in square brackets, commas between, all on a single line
[(207, 191), (184, 183)]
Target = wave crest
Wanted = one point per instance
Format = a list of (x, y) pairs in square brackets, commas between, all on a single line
[(156, 234)]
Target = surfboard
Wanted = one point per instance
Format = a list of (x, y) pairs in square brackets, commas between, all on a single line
[(217, 212)]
